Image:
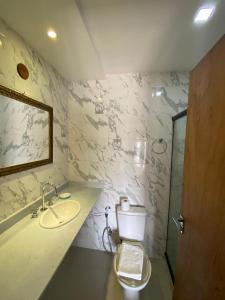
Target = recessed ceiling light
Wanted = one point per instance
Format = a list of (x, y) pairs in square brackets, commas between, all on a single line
[(52, 34), (204, 14), (1, 43)]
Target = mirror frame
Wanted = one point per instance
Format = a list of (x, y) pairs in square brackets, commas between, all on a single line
[(25, 99)]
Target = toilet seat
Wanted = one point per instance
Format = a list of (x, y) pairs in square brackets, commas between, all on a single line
[(130, 283)]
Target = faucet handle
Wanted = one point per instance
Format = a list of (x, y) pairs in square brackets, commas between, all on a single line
[(34, 213), (50, 202)]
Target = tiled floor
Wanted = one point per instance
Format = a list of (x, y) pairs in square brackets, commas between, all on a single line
[(87, 274)]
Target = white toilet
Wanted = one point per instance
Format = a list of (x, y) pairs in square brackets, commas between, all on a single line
[(131, 225)]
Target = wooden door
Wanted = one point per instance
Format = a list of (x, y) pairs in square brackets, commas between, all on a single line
[(200, 273)]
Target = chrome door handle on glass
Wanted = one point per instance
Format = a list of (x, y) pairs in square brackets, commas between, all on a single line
[(179, 222)]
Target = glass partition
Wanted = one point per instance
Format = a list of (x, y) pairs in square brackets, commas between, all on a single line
[(179, 130)]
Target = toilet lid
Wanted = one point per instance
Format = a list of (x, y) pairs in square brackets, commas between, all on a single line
[(146, 271), (131, 260)]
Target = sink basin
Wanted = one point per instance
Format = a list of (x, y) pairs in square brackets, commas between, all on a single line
[(60, 214)]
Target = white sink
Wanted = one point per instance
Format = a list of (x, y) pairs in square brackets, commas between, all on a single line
[(60, 214)]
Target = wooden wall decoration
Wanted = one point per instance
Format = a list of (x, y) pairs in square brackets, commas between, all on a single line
[(22, 71)]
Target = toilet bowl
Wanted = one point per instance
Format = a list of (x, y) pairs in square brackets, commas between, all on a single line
[(131, 225), (132, 287)]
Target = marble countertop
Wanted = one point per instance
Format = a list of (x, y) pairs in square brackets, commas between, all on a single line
[(30, 255)]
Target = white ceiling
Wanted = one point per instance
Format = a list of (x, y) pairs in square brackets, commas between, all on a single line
[(155, 35), (96, 37), (72, 54)]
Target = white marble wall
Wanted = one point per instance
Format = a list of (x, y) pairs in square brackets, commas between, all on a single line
[(115, 126), (44, 85), (110, 130)]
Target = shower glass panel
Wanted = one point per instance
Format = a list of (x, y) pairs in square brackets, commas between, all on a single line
[(179, 130)]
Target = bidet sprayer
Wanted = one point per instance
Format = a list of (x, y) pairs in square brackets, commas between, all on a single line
[(107, 230), (107, 209)]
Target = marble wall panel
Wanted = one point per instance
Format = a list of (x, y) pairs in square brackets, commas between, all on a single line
[(116, 132), (45, 85), (126, 144)]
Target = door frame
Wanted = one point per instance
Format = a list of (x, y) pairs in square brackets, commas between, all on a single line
[(174, 118)]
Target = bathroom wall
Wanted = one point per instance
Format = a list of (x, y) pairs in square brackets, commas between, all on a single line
[(120, 132), (116, 132), (44, 85)]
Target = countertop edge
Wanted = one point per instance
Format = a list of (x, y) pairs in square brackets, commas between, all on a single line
[(13, 237)]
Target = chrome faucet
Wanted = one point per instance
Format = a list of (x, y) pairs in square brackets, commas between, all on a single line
[(43, 194)]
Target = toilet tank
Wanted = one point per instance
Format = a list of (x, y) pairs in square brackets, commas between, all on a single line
[(131, 223)]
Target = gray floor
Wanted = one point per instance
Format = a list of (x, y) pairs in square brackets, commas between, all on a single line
[(87, 274)]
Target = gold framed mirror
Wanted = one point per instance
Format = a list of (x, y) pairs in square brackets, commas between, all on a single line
[(26, 132)]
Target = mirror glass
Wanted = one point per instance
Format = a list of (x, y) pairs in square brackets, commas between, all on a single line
[(26, 129), (23, 133)]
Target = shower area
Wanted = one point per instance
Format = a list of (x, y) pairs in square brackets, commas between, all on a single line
[(176, 182)]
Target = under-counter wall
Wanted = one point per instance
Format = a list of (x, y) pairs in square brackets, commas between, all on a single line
[(44, 85), (120, 133), (106, 131)]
